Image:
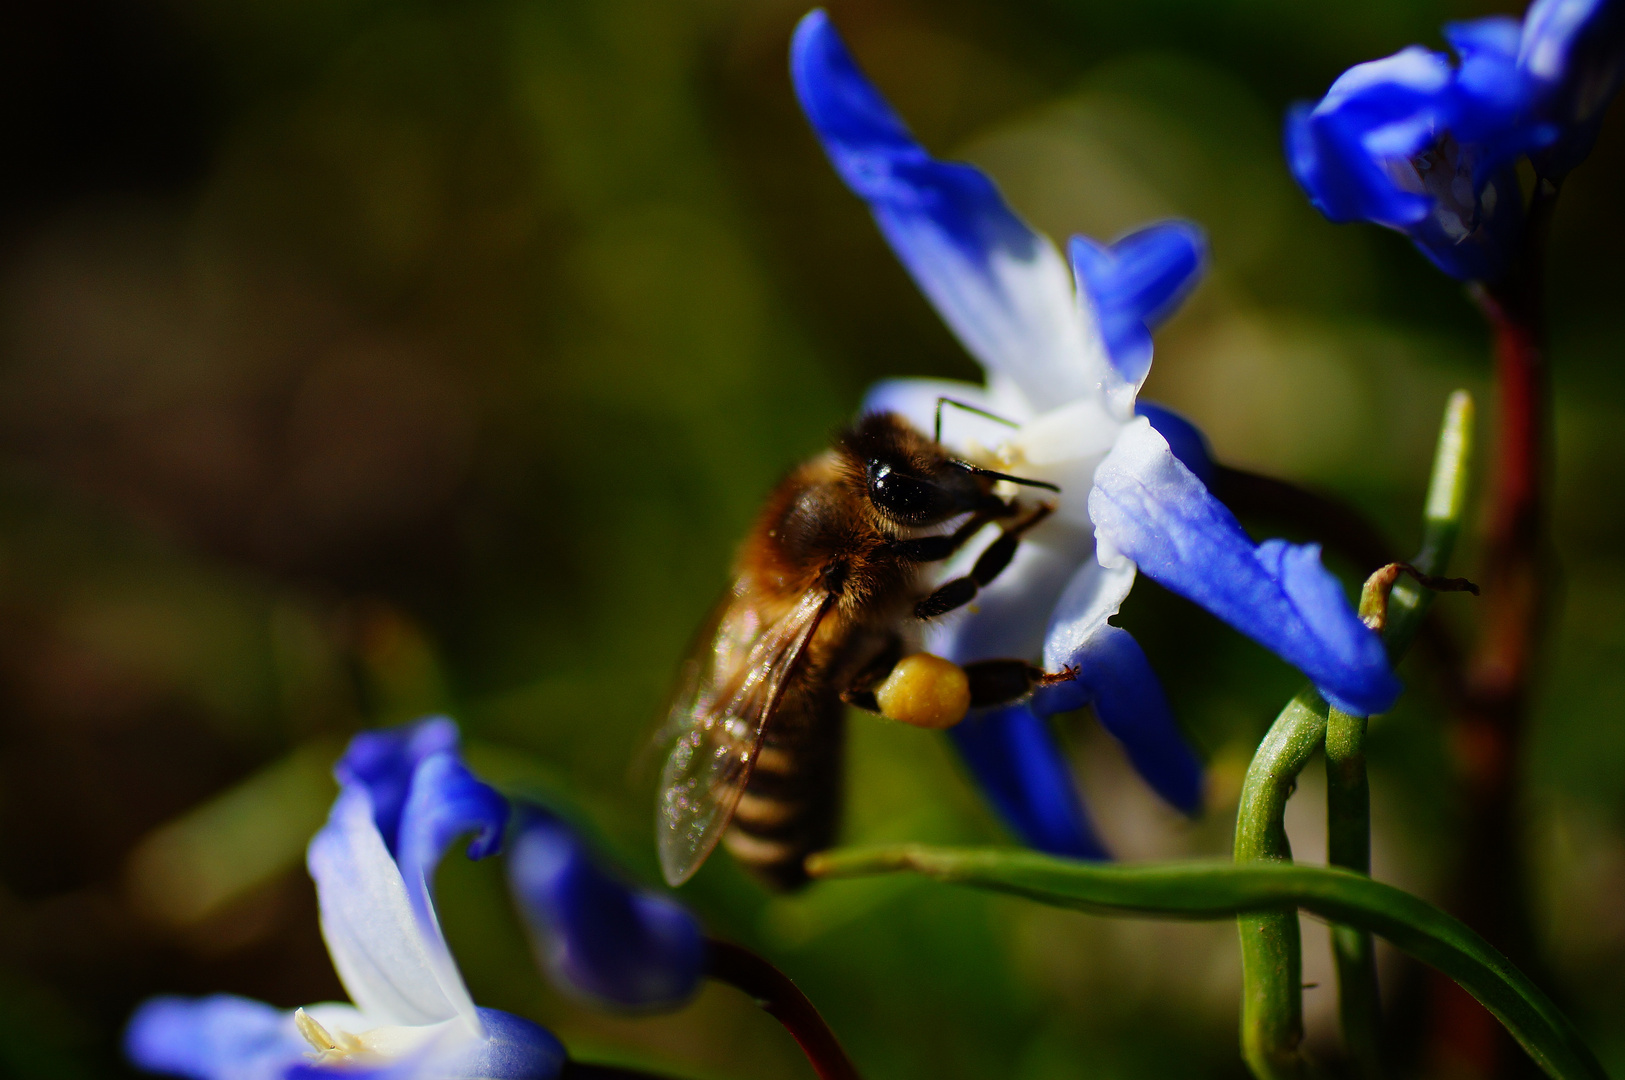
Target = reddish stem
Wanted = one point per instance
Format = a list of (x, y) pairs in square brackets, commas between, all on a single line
[(1488, 891), (781, 999)]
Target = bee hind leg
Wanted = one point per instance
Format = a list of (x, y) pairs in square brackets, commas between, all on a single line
[(861, 692), (989, 565), (999, 682)]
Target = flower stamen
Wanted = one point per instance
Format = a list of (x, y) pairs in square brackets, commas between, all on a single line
[(327, 1045)]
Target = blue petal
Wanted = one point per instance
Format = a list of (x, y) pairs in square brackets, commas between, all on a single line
[(444, 802), (1495, 108), (1116, 678), (1018, 765), (1136, 283), (1184, 438), (1489, 77), (599, 937), (213, 1038), (383, 762), (1148, 506), (515, 1049), (1002, 288), (1489, 64), (1380, 110), (1573, 51)]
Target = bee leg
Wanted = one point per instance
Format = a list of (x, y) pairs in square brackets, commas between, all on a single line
[(937, 548), (989, 565), (999, 682), (862, 691)]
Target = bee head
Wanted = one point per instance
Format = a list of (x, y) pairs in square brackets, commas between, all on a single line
[(910, 480)]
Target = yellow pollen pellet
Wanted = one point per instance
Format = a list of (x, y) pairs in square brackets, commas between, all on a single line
[(926, 691)]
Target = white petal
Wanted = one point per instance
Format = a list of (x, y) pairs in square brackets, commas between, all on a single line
[(1092, 596), (965, 432), (1115, 394), (1016, 315), (391, 964), (1009, 617), (1081, 429), (397, 1041)]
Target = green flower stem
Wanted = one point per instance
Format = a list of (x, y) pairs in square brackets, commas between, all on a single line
[(1441, 523), (1218, 890), (1271, 945), (1348, 845)]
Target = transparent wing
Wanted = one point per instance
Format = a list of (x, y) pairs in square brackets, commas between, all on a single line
[(717, 721), (662, 730)]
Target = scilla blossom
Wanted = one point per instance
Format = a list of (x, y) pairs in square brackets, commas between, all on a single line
[(1429, 148), (1065, 352), (405, 795)]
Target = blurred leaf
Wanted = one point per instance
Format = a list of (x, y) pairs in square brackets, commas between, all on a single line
[(185, 871)]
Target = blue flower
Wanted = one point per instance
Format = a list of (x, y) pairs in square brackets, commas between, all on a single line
[(1386, 144), (1066, 350), (404, 796), (1415, 144), (1571, 56), (596, 936)]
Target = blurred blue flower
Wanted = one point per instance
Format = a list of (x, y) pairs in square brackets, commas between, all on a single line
[(404, 796), (1383, 146), (1429, 149), (1066, 351), (1571, 55), (596, 936)]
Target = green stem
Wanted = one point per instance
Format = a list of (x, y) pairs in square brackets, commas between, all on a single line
[(1271, 944), (1348, 844), (1441, 523), (1218, 890)]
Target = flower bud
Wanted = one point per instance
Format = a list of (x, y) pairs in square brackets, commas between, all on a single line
[(596, 936)]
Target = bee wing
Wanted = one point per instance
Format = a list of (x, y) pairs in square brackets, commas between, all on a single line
[(718, 722), (699, 664)]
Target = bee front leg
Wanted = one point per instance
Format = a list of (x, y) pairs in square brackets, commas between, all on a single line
[(989, 565), (936, 548)]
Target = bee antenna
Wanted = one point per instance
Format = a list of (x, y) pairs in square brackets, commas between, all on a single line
[(977, 470), (936, 431)]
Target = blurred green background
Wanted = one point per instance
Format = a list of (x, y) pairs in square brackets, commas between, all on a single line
[(369, 357)]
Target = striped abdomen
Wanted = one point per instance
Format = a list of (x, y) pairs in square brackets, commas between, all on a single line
[(791, 802)]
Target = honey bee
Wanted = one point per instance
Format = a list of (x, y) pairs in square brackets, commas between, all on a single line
[(828, 587)]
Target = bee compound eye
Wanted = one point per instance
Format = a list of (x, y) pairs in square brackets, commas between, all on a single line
[(925, 691), (906, 498)]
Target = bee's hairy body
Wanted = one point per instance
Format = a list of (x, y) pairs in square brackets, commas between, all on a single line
[(828, 588), (817, 531)]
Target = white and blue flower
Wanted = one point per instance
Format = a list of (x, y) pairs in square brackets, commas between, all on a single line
[(1066, 351), (405, 795)]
